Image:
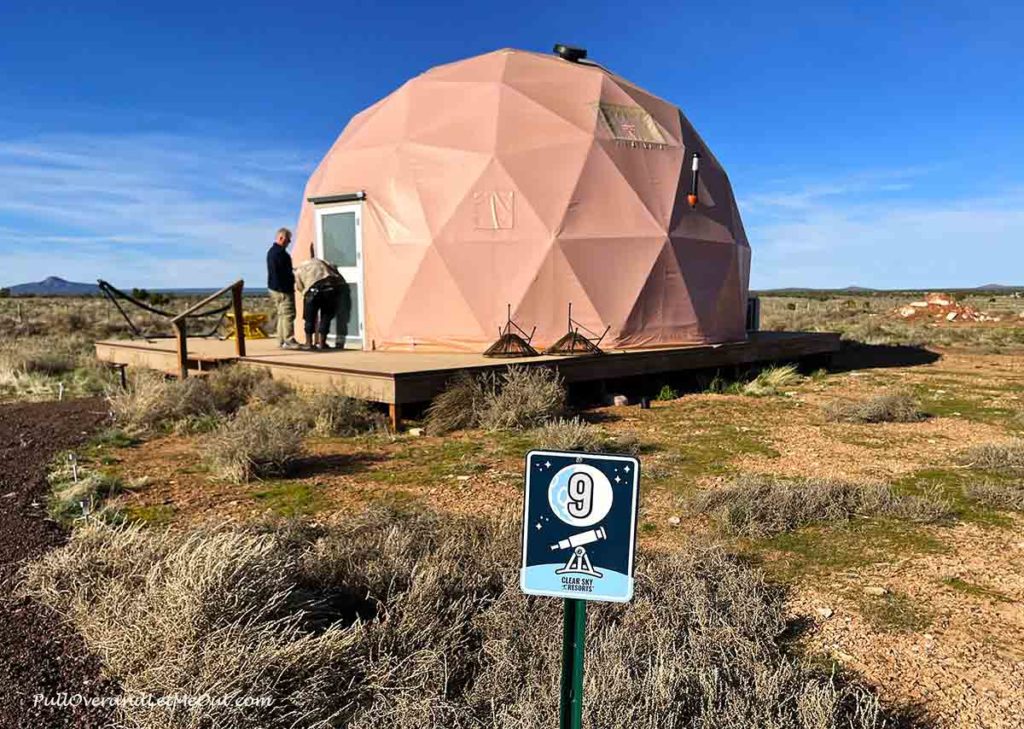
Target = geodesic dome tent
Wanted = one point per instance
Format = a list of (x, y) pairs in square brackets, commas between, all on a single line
[(524, 179)]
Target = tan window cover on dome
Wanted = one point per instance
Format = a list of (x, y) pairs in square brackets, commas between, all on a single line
[(525, 179)]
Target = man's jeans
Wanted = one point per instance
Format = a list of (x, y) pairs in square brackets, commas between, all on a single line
[(285, 305)]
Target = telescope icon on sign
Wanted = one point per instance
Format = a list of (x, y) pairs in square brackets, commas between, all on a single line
[(579, 561)]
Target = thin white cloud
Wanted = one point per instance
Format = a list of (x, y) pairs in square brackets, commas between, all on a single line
[(852, 232), (144, 209), (189, 210)]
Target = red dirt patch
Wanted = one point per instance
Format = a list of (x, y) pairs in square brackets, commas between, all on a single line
[(39, 655)]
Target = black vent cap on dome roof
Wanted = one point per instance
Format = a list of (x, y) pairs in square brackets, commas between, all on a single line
[(570, 53)]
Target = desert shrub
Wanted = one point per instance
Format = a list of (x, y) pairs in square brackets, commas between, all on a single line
[(155, 403), (1006, 457), (525, 397), (576, 434), (772, 381), (764, 505), (401, 622), (458, 406), (268, 391), (518, 398), (232, 386), (255, 442), (332, 413), (152, 402), (997, 495), (891, 407), (570, 435)]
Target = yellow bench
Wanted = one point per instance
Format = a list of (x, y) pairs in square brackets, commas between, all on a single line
[(252, 325)]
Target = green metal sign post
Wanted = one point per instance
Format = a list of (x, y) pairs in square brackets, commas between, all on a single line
[(573, 642)]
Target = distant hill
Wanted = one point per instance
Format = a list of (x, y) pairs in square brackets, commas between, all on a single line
[(862, 291), (997, 287), (54, 286)]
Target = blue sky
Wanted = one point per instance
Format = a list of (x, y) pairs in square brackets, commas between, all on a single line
[(160, 144)]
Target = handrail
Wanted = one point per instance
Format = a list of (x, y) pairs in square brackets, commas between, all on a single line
[(239, 283), (182, 337)]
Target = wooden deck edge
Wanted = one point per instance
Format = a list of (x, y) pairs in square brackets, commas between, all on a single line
[(418, 386)]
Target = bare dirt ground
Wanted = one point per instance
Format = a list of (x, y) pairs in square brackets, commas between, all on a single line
[(39, 655), (965, 667)]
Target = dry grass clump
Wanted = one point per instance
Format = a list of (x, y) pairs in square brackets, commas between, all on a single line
[(400, 623), (576, 434), (525, 397), (457, 407), (1006, 457), (570, 435), (232, 387), (269, 391), (772, 381), (519, 398), (755, 506), (892, 407), (256, 442), (997, 495), (335, 414), (152, 402), (37, 367)]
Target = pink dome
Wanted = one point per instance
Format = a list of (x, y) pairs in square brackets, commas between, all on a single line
[(525, 179)]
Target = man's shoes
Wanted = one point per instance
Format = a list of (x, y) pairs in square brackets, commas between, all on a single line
[(290, 344)]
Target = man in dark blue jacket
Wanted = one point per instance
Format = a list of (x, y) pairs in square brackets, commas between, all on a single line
[(281, 283)]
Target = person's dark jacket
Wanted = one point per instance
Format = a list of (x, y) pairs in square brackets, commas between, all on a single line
[(280, 276)]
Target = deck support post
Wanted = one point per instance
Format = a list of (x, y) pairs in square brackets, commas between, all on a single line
[(236, 305), (180, 336), (395, 416)]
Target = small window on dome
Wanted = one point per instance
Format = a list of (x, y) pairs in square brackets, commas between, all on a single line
[(494, 209), (631, 124)]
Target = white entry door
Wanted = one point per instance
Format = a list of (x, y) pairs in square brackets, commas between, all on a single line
[(339, 240)]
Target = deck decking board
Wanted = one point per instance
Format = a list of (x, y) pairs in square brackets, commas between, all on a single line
[(408, 377)]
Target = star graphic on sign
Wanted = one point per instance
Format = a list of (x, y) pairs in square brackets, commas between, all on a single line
[(618, 479), (547, 464), (626, 469)]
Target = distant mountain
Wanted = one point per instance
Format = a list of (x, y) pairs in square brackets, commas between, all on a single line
[(54, 286), (997, 287)]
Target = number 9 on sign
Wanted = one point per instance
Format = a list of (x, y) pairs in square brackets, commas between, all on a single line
[(580, 495)]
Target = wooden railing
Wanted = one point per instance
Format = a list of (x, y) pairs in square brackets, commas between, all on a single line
[(182, 335)]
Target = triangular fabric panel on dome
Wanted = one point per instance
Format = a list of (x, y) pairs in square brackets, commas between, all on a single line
[(605, 204), (612, 271)]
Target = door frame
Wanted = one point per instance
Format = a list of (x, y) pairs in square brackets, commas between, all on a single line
[(357, 209)]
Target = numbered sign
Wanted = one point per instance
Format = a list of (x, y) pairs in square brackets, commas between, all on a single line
[(579, 525)]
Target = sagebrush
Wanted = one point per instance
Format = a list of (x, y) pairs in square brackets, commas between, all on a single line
[(764, 505), (1006, 457), (386, 622), (898, 406), (256, 442), (518, 398)]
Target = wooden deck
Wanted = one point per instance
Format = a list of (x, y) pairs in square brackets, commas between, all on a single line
[(397, 378)]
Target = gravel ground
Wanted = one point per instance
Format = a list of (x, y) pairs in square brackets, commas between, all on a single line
[(38, 654)]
